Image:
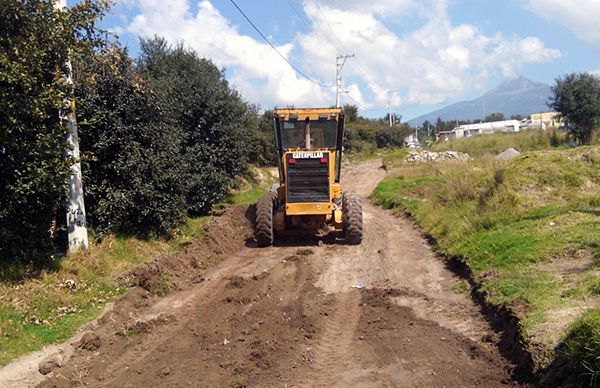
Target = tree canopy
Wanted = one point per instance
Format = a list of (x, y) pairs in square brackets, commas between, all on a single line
[(161, 136), (35, 43), (576, 97)]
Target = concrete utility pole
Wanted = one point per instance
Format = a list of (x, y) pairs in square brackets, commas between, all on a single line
[(390, 93), (340, 61), (76, 222)]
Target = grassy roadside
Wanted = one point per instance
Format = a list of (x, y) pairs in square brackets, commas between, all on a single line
[(529, 231), (527, 140), (49, 307)]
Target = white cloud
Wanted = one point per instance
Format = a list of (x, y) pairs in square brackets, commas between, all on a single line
[(436, 62), (580, 16), (384, 8), (430, 65), (260, 74)]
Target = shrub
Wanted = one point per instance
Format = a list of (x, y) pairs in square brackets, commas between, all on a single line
[(134, 173), (212, 117), (35, 42)]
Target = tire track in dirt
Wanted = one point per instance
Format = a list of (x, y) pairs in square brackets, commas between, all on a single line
[(288, 316), (332, 347)]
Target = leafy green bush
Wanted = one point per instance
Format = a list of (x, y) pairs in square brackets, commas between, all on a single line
[(365, 135), (390, 137), (162, 139), (35, 42), (211, 116), (134, 176), (260, 147)]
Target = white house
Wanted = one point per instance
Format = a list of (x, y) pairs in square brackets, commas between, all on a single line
[(468, 130)]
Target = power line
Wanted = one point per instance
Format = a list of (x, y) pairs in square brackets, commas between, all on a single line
[(275, 48), (356, 102), (329, 24), (340, 61), (356, 65), (318, 27), (300, 16)]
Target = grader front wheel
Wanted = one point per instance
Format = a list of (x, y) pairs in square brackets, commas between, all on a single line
[(263, 233), (353, 222)]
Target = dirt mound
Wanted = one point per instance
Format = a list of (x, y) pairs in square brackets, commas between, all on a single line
[(235, 333), (289, 315), (225, 234)]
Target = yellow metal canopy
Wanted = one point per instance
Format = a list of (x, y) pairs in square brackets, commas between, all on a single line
[(310, 113)]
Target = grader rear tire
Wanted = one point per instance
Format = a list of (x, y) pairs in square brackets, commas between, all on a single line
[(263, 233), (353, 222)]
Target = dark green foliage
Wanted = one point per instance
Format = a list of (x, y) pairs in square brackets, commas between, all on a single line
[(365, 135), (162, 139), (134, 173), (210, 115), (494, 117), (35, 41), (576, 97), (390, 137), (359, 139), (261, 143), (351, 112)]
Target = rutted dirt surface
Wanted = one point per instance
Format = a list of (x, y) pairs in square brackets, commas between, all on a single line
[(293, 316)]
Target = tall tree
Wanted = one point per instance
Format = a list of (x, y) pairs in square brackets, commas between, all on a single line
[(351, 112), (35, 42), (134, 168), (196, 95), (498, 116), (576, 97)]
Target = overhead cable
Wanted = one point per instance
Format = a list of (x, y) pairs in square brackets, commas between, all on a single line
[(300, 72)]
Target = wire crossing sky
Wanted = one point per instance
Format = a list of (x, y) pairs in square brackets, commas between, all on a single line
[(433, 52), (300, 72)]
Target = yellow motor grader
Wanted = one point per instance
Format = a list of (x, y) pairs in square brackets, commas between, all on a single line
[(309, 196)]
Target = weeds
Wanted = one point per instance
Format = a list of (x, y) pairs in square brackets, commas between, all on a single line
[(528, 140), (506, 219), (583, 346), (160, 286), (33, 300)]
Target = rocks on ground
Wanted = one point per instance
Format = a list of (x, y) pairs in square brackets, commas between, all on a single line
[(423, 156), (90, 341), (50, 363)]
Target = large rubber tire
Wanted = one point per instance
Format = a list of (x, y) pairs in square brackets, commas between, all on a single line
[(263, 233), (353, 222)]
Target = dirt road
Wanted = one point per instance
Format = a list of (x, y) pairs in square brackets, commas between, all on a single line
[(289, 316)]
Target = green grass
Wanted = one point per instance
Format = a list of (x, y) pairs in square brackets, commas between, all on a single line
[(42, 310), (508, 220), (583, 346), (247, 197), (252, 191), (37, 309), (528, 140)]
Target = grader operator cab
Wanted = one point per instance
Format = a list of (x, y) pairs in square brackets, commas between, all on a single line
[(309, 196)]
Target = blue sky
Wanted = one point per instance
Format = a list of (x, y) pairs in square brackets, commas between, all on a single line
[(430, 52)]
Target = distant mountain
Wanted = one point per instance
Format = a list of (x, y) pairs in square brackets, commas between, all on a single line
[(517, 96)]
